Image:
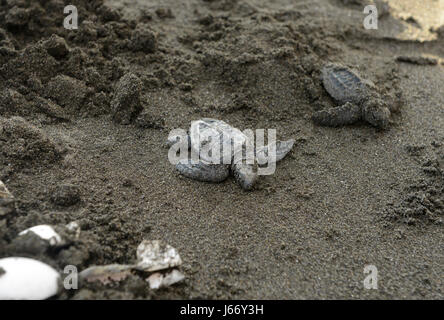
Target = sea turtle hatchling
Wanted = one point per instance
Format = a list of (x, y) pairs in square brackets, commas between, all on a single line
[(357, 99), (206, 132)]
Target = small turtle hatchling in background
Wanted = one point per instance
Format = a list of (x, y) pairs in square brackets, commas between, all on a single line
[(207, 171), (357, 98)]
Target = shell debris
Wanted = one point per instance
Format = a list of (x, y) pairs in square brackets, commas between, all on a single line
[(158, 280), (154, 255), (106, 274)]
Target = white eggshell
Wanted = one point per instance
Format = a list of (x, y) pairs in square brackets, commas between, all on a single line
[(46, 233), (27, 279), (156, 255), (158, 280), (74, 227)]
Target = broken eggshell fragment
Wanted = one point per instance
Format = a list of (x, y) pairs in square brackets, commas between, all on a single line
[(45, 232), (74, 227), (4, 192), (155, 255), (158, 280), (27, 279), (106, 274)]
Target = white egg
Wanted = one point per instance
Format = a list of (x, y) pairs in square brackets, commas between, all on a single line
[(46, 233), (27, 279)]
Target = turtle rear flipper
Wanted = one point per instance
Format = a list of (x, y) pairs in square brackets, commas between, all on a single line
[(203, 171), (334, 117), (245, 175)]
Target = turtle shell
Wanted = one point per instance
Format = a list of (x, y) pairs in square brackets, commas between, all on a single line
[(343, 84), (208, 135)]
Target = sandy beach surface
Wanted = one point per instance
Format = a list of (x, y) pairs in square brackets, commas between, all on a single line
[(344, 198)]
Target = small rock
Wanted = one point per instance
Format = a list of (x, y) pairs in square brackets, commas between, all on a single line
[(27, 279), (56, 46), (155, 255), (126, 102), (143, 39), (158, 280), (66, 195), (45, 232)]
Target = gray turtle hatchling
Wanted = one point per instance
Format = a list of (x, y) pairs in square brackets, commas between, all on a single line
[(206, 132), (357, 99)]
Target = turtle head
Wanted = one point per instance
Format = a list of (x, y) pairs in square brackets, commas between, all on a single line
[(245, 174)]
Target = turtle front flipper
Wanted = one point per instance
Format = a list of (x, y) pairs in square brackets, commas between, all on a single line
[(245, 175), (203, 171), (282, 149), (334, 117)]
